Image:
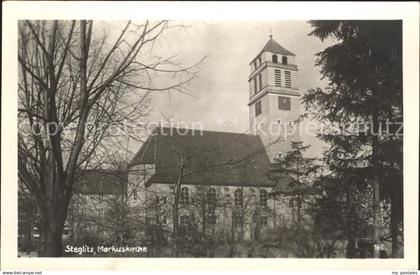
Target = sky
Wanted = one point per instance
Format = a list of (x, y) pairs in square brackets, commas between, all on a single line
[(220, 90)]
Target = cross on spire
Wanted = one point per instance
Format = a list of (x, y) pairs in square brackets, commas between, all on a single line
[(271, 33)]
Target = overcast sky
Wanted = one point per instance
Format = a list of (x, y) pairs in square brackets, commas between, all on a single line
[(221, 88)]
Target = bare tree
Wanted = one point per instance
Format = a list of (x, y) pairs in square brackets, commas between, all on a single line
[(76, 84)]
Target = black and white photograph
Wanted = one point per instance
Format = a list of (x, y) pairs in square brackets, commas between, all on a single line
[(211, 139)]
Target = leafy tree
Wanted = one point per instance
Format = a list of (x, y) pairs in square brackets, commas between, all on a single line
[(299, 172), (361, 109), (78, 77)]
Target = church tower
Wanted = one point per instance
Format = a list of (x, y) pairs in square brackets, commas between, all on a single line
[(274, 98)]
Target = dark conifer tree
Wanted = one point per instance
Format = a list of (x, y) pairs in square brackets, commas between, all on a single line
[(362, 108)]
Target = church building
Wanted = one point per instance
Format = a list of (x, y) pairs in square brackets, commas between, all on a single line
[(223, 178)]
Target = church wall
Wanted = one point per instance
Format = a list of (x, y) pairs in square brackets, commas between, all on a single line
[(282, 126), (160, 198)]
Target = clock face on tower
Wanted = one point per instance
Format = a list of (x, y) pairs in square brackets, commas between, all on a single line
[(284, 103)]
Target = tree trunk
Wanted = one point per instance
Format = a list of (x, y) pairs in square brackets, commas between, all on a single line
[(232, 238), (351, 248), (175, 231), (257, 231), (299, 210), (376, 204), (52, 218), (175, 213), (394, 226), (204, 214), (27, 242)]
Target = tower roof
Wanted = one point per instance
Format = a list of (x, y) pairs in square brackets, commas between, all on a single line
[(273, 47)]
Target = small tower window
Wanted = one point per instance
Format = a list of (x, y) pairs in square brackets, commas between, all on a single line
[(274, 58), (284, 60), (287, 79), (277, 78), (255, 86), (260, 81), (258, 108), (255, 65)]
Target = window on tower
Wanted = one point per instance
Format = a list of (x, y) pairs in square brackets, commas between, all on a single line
[(258, 108), (259, 82), (255, 86), (274, 58), (277, 78), (287, 79), (284, 60)]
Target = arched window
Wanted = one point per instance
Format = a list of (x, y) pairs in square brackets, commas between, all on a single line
[(252, 192), (211, 196), (284, 60), (211, 216), (263, 198), (184, 221), (264, 221), (274, 58), (185, 195), (238, 197), (236, 219)]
